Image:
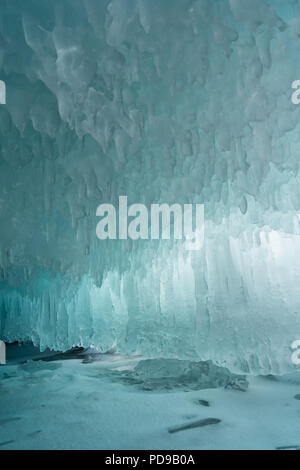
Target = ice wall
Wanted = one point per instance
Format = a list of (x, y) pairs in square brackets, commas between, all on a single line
[(163, 101)]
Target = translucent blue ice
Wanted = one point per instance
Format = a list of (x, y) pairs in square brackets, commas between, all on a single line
[(185, 101)]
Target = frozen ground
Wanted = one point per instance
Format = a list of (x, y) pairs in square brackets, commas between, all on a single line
[(63, 404)]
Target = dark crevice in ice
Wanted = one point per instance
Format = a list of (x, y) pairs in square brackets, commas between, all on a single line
[(203, 403), (5, 443), (195, 424)]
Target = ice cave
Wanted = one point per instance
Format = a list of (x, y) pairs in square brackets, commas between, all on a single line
[(135, 342)]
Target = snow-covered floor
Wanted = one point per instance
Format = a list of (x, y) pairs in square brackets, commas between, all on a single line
[(71, 405)]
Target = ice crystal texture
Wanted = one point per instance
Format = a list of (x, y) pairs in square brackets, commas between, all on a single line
[(185, 101)]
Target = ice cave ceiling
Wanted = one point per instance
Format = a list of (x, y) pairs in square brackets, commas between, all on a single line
[(185, 101)]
